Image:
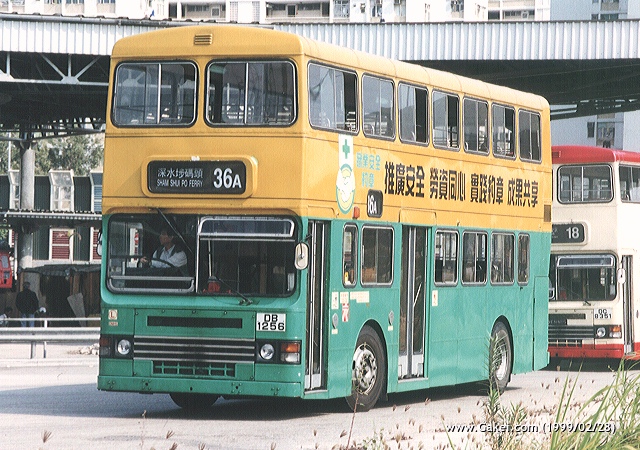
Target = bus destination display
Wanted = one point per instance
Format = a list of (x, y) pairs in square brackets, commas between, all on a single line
[(567, 233), (197, 177)]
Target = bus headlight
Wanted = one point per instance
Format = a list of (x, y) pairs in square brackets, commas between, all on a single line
[(267, 352), (124, 347), (601, 332), (278, 352)]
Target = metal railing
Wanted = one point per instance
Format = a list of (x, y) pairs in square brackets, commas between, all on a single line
[(43, 333)]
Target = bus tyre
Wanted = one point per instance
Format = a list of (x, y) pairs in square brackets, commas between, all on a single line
[(500, 357), (193, 402), (368, 371)]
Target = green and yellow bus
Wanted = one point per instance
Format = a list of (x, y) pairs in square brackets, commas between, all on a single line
[(334, 224)]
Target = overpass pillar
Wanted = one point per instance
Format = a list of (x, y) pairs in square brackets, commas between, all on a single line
[(27, 196)]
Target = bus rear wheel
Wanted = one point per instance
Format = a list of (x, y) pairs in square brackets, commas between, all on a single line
[(368, 372), (500, 357), (192, 401)]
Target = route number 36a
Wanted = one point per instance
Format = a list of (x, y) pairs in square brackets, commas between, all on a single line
[(271, 322)]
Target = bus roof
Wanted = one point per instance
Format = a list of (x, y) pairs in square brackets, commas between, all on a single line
[(242, 41), (571, 154)]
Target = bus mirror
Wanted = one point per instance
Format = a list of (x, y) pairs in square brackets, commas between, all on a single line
[(99, 244), (622, 276), (302, 256)]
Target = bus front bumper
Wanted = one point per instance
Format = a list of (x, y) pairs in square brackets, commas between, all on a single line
[(224, 388)]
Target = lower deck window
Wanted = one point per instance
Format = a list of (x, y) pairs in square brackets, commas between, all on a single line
[(446, 257), (502, 264), (377, 255)]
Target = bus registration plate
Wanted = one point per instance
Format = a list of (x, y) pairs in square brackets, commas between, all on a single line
[(271, 322), (602, 313)]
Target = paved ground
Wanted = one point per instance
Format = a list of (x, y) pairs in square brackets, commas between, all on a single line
[(13, 354)]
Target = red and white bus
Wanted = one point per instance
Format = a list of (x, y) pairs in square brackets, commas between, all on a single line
[(594, 308)]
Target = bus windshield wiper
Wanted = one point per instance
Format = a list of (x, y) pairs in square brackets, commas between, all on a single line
[(175, 231), (245, 300)]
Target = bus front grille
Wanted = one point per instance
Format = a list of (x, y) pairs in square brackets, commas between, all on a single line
[(207, 357), (569, 336)]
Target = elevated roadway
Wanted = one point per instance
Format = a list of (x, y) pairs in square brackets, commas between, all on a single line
[(54, 70)]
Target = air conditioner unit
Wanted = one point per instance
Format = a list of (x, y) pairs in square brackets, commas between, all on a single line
[(525, 14)]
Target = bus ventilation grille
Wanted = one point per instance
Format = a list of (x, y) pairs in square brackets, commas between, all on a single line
[(203, 39), (208, 357), (569, 336)]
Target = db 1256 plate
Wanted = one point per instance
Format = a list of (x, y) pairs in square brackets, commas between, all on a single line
[(197, 177)]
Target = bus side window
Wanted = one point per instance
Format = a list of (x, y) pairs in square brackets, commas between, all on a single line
[(349, 255), (446, 257), (446, 120)]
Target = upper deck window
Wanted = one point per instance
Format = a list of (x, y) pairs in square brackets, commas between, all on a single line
[(377, 107), (154, 94), (446, 120), (585, 184), (529, 133), (475, 119), (251, 93), (413, 104), (630, 184), (332, 98), (504, 131)]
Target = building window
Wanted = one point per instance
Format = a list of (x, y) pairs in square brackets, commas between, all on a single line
[(606, 134), (591, 129), (61, 244), (341, 9), (96, 191), (14, 189), (457, 5), (61, 190)]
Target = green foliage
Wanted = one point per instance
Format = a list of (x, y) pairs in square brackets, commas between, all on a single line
[(79, 153)]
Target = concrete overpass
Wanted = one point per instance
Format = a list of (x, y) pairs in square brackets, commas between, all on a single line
[(54, 70)]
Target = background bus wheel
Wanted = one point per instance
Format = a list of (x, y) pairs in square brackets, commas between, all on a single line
[(500, 357), (193, 402), (368, 371)]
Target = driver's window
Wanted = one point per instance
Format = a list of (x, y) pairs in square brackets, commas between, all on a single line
[(151, 253)]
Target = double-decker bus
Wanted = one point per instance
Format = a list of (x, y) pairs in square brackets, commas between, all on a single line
[(594, 253), (341, 225)]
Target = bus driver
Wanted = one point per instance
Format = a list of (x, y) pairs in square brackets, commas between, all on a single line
[(167, 255)]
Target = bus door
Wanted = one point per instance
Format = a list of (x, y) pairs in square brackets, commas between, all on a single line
[(316, 293), (412, 303), (627, 305)]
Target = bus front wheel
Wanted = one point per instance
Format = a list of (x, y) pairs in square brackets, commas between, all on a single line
[(500, 357), (368, 371), (192, 401)]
